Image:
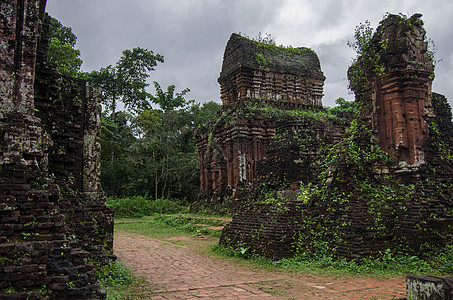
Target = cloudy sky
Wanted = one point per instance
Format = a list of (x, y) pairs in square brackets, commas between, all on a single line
[(192, 34)]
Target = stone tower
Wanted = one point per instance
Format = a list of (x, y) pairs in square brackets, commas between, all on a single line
[(398, 74)]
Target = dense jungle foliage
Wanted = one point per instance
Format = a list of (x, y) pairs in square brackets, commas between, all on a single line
[(153, 153), (148, 148)]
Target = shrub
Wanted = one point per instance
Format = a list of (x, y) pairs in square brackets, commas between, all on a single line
[(139, 206), (165, 206)]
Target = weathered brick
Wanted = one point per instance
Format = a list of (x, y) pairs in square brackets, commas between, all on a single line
[(13, 226), (397, 114), (37, 202)]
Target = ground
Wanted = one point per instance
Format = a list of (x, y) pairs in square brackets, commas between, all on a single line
[(180, 267)]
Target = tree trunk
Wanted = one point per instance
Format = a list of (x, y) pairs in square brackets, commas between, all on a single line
[(113, 108)]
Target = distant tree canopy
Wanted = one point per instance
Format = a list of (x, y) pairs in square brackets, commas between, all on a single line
[(169, 100), (344, 109), (62, 51), (154, 152), (126, 81), (145, 150)]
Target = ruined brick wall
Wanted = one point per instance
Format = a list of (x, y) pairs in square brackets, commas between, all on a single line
[(254, 76), (266, 230), (246, 148), (19, 31), (398, 74), (384, 185), (230, 151), (53, 216), (70, 113), (295, 149)]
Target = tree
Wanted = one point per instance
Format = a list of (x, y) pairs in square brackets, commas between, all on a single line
[(62, 51), (344, 110), (344, 105), (155, 152), (205, 113), (116, 138), (168, 100), (126, 81)]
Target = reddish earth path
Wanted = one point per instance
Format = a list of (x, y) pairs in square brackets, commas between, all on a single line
[(181, 272)]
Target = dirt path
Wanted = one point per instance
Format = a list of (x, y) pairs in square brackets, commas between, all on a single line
[(181, 272)]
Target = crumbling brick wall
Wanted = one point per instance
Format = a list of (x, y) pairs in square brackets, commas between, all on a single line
[(54, 222), (267, 230), (386, 183), (256, 79)]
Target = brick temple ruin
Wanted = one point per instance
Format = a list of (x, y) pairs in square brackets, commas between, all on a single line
[(235, 150), (54, 223), (373, 181)]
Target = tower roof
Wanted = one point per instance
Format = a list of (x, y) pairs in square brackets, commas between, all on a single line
[(241, 52)]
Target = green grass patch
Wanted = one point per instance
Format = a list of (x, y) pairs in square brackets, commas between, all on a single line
[(163, 226), (119, 283), (140, 206), (386, 265)]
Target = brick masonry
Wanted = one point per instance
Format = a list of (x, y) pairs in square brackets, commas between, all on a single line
[(277, 75), (363, 201), (54, 223), (237, 148)]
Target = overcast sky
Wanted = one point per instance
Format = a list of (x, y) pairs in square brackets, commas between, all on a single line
[(192, 34)]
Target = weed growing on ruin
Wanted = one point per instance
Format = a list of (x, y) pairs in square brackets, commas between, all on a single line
[(118, 281), (241, 251), (269, 196), (312, 114), (267, 42), (261, 60)]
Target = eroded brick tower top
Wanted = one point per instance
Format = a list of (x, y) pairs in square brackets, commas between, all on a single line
[(393, 81), (289, 78)]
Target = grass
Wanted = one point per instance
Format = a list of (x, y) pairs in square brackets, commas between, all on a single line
[(385, 266), (163, 226), (119, 282)]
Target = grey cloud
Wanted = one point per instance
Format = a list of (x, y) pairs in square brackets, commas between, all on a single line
[(192, 34)]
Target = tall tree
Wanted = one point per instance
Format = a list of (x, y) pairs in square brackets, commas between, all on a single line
[(126, 81), (156, 152), (62, 51), (168, 100)]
